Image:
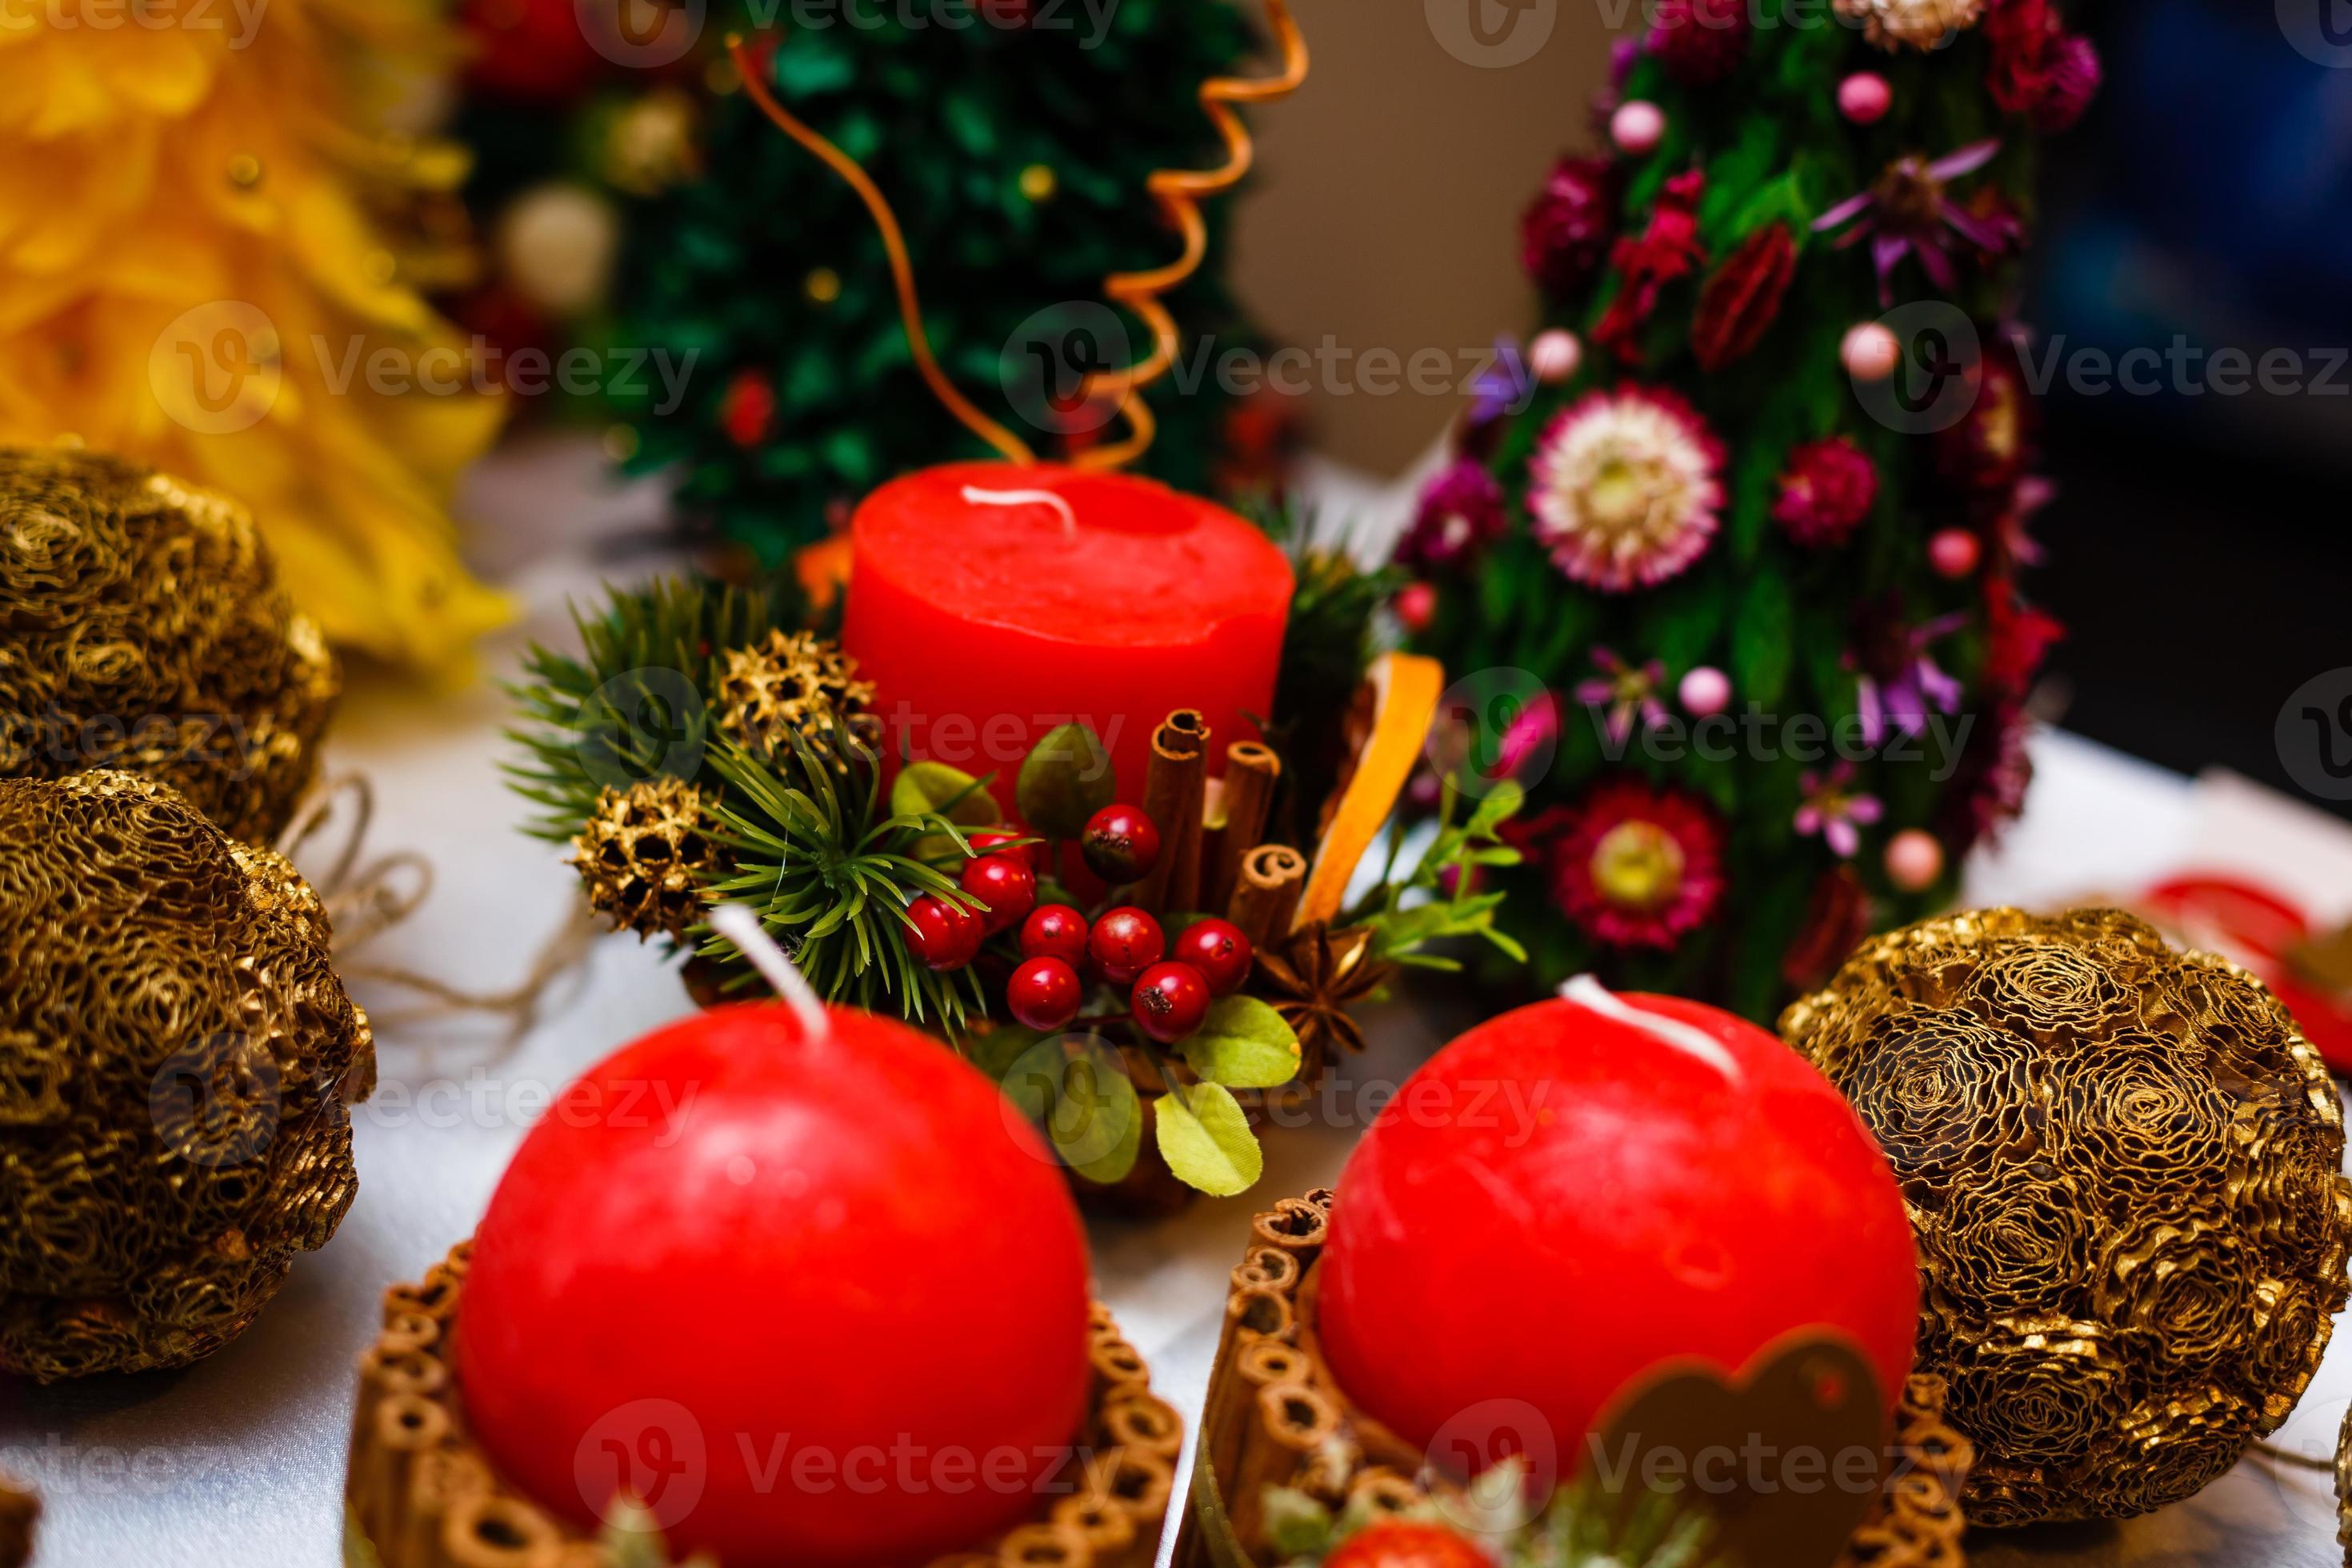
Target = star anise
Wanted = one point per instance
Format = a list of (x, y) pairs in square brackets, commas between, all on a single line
[(1313, 979)]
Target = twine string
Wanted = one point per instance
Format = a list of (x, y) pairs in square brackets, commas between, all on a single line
[(364, 897)]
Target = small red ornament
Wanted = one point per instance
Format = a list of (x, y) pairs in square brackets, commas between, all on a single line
[(1416, 607), (1170, 1002), (1220, 950), (1124, 943), (1005, 885), (1954, 552), (943, 935), (1652, 1197), (1044, 993), (1864, 98), (715, 1257), (1120, 845), (1055, 931), (1400, 1544), (748, 409)]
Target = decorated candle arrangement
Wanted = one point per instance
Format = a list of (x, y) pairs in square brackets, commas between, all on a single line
[(1682, 1187), (765, 1234), (988, 603)]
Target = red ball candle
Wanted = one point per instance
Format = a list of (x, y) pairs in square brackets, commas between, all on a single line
[(985, 621), (818, 1301), (1568, 1195)]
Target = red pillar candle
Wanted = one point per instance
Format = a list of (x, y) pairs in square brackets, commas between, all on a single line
[(817, 1303), (984, 622), (1574, 1194)]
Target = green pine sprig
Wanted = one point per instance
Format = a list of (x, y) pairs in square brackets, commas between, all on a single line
[(830, 868), (831, 878)]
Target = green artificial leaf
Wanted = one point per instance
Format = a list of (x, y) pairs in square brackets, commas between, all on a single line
[(1763, 639), (935, 788), (1207, 1142), (1243, 1044), (814, 64), (999, 1052), (1065, 778), (1096, 1125), (950, 791)]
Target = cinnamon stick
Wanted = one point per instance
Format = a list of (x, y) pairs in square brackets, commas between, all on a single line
[(1251, 771), (1266, 895), (1174, 790), (1290, 1422)]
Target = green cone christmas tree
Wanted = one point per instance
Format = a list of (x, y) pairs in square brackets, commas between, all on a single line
[(1736, 541), (1015, 150)]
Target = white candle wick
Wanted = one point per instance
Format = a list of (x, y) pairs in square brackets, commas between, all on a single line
[(974, 496), (1587, 993), (741, 925)]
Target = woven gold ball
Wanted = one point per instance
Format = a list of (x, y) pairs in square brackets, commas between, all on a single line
[(2122, 1164), (793, 681), (1922, 25), (178, 1065), (141, 628), (646, 859)]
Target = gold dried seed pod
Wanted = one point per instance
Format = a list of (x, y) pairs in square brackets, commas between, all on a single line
[(169, 1141), (2123, 1168), (646, 856), (142, 628), (793, 681)]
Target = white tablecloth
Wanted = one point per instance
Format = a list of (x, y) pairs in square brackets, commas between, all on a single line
[(239, 1461)]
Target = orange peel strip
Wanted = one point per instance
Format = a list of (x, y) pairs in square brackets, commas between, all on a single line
[(902, 267), (1178, 193), (1406, 690)]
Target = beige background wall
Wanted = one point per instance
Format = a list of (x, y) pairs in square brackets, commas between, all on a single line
[(1386, 210)]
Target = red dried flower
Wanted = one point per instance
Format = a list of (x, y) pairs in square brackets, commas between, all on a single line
[(1826, 491), (2017, 638), (1989, 444), (2040, 70), (1565, 233), (1666, 251), (1700, 42), (1739, 304), (1638, 867)]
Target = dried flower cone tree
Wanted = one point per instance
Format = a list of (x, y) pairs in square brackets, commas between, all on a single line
[(1275, 1417), (141, 628), (420, 1493), (2122, 1163), (177, 1062)]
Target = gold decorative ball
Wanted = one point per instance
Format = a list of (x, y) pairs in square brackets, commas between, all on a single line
[(2122, 1163), (645, 858), (141, 628), (178, 1065), (793, 681), (1921, 24)]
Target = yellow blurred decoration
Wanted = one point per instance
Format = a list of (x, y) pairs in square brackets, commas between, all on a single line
[(189, 274)]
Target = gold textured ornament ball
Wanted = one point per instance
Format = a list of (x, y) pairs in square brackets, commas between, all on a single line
[(1922, 25), (2122, 1164), (646, 859), (178, 1065), (141, 628)]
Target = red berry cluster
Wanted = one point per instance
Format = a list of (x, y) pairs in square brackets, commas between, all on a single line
[(1168, 993)]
